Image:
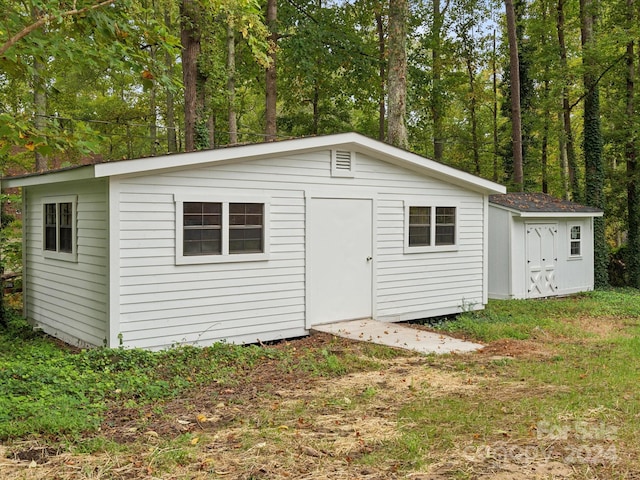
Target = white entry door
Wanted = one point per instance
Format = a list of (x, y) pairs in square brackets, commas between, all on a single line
[(541, 260), (339, 262)]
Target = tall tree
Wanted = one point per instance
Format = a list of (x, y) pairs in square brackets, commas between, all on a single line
[(382, 62), (397, 83), (592, 143), (631, 154), (190, 18), (516, 116), (270, 75), (568, 150), (437, 93), (231, 83)]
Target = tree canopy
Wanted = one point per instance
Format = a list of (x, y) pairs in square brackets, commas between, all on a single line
[(108, 79)]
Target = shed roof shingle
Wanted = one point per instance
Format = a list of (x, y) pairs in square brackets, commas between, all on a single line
[(539, 202)]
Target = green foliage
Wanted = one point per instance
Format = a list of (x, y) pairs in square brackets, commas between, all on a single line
[(10, 237), (52, 391)]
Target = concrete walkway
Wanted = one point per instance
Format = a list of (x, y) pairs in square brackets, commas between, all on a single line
[(397, 335)]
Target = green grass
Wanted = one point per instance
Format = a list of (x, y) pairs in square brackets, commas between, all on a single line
[(525, 319), (587, 389)]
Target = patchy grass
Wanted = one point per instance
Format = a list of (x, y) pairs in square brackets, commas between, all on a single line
[(553, 395)]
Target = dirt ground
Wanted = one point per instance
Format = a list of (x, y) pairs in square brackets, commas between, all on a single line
[(276, 425)]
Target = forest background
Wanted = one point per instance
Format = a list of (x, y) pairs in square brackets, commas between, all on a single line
[(540, 95)]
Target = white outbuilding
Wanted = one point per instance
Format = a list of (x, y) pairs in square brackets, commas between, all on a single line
[(251, 243), (539, 246)]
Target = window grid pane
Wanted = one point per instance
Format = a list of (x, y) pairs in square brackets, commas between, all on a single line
[(575, 233), (246, 226), (66, 227), (419, 226), (50, 227), (202, 223), (575, 243), (445, 225)]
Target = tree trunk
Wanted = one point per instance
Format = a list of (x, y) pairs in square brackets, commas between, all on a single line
[(572, 164), (39, 109), (544, 154), (190, 37), (382, 62), (39, 102), (270, 77), (172, 144), (472, 113), (592, 146), (495, 110), (516, 118), (231, 83), (397, 129), (204, 119), (631, 153), (316, 108), (437, 104), (153, 113)]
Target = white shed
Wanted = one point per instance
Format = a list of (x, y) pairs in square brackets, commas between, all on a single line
[(251, 243), (539, 246)]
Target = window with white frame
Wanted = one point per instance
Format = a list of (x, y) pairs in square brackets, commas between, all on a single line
[(575, 242), (59, 228), (430, 228), (221, 230)]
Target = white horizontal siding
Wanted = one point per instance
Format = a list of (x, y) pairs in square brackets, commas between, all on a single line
[(162, 304), (432, 283), (69, 299)]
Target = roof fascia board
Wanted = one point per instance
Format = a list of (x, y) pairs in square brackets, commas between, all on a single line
[(82, 173), (560, 214), (217, 156), (519, 213), (419, 164)]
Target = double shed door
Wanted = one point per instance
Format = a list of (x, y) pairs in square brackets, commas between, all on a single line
[(542, 259)]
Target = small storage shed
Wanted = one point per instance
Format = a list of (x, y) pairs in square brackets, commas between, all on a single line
[(539, 246), (251, 243)]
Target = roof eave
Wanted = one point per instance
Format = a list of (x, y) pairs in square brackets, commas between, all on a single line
[(560, 214), (520, 213), (47, 178)]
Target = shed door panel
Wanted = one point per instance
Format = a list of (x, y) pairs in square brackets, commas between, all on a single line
[(541, 260), (339, 279)]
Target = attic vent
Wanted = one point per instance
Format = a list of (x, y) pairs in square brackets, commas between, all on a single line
[(342, 163)]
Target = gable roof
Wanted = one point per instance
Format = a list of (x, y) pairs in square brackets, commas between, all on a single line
[(345, 141), (542, 205)]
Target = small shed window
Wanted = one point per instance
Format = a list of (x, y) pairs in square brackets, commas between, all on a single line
[(222, 230), (445, 225), (419, 226), (429, 228), (575, 246), (202, 228), (245, 227), (59, 228)]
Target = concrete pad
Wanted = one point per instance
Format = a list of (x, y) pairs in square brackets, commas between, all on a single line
[(397, 335)]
